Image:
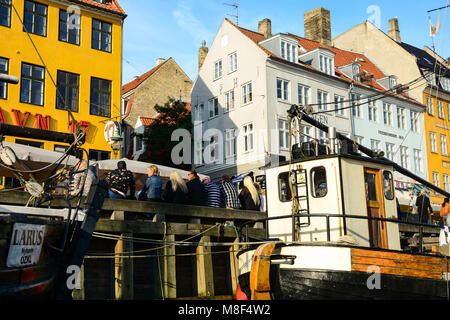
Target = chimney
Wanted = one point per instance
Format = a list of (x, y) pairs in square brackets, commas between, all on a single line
[(265, 28), (202, 53), (318, 26), (394, 30), (159, 61)]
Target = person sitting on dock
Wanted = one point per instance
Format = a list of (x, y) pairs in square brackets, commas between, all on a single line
[(176, 190), (229, 193), (424, 206), (445, 209), (153, 185), (196, 190), (119, 181), (249, 196), (212, 192)]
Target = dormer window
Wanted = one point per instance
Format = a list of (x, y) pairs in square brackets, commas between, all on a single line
[(289, 51), (355, 72), (392, 82), (388, 83), (445, 83), (326, 64)]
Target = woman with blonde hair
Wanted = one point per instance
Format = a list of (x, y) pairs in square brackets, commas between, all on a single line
[(249, 196), (176, 190)]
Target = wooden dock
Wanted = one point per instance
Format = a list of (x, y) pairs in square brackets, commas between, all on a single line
[(151, 250)]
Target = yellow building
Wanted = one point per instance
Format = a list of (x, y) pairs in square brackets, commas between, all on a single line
[(80, 44)]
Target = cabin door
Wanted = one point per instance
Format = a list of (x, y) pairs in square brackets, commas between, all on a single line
[(375, 208)]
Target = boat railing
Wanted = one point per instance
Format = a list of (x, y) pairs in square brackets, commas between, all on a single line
[(328, 216)]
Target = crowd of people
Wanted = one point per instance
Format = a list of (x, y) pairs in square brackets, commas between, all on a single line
[(121, 185)]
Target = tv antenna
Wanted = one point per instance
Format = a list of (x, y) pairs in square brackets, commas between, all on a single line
[(236, 7)]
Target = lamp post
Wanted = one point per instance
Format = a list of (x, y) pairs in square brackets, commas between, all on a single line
[(116, 139)]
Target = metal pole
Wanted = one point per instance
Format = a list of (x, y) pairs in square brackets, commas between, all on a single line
[(32, 133)]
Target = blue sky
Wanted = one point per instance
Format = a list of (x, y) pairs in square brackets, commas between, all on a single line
[(175, 28)]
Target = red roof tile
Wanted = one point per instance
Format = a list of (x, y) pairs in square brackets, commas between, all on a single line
[(108, 5), (148, 121), (136, 82)]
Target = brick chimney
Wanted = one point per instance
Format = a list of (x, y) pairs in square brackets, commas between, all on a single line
[(265, 28), (318, 26), (202, 53), (394, 30)]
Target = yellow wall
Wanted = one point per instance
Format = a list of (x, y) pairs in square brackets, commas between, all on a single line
[(437, 162), (57, 55)]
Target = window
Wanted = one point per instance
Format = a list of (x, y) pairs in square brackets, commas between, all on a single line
[(444, 145), (232, 62), (4, 66), (339, 105), (401, 116), (35, 18), (387, 114), (100, 97), (247, 93), (319, 182), (359, 140), (229, 100), (282, 90), (138, 143), (436, 179), (230, 143), (198, 114), (322, 100), (375, 145), (404, 157), (355, 104), (414, 121), (303, 95), (217, 69), (306, 133), (101, 35), (283, 134), (388, 185), (289, 51), (433, 144), (32, 84), (99, 155), (430, 106), (418, 160), (69, 27), (326, 65), (68, 86), (373, 110), (446, 182), (248, 137), (390, 151), (5, 13), (431, 78), (284, 189), (440, 107), (214, 147), (445, 82), (213, 107)]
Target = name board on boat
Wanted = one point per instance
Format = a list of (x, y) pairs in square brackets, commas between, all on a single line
[(26, 244)]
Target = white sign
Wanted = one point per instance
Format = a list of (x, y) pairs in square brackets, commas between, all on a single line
[(26, 244), (110, 130)]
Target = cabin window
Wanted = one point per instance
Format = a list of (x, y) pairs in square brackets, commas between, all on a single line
[(319, 182), (284, 190), (388, 185)]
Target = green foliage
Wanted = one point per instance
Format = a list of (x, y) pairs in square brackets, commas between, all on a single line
[(172, 115)]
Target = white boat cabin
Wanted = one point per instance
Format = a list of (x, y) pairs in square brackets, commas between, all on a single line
[(346, 185)]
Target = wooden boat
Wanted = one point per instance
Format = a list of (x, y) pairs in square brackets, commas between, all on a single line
[(333, 232), (40, 247)]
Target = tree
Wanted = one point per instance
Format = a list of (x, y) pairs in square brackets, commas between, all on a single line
[(174, 114)]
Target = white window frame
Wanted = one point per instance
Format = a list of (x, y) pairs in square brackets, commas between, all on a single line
[(230, 100), (4, 85), (390, 153), (339, 105), (404, 157), (414, 121), (430, 108), (248, 137), (230, 143), (440, 107), (446, 182), (356, 105), (433, 142), (213, 107), (303, 94), (282, 89), (436, 179), (373, 110), (387, 114), (283, 134), (306, 133), (289, 51), (232, 62), (247, 94), (418, 160), (322, 100), (375, 145), (444, 150), (218, 69), (401, 118)]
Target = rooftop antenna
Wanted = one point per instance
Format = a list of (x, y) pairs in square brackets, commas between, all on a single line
[(236, 7)]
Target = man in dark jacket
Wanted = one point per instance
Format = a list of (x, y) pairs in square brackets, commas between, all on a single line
[(119, 181), (423, 207), (196, 190)]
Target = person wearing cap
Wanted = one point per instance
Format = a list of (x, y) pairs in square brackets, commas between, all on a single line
[(424, 207), (212, 193), (119, 181)]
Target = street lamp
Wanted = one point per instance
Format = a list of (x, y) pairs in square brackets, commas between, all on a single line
[(116, 139)]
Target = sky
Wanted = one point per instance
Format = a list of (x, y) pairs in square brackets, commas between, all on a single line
[(176, 28)]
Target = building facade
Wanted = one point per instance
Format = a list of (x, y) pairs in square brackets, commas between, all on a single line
[(140, 96), (77, 67), (428, 80), (249, 80)]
